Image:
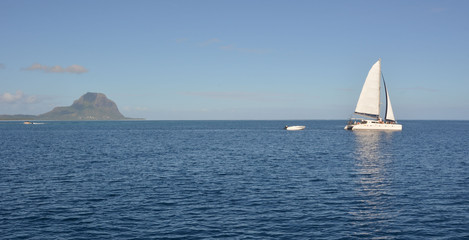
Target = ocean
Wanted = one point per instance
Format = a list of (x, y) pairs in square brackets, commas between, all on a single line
[(233, 180)]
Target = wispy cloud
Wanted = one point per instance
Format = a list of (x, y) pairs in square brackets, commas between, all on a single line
[(18, 97), (77, 69), (210, 42), (228, 47), (2, 66)]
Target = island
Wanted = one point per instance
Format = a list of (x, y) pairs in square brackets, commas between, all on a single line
[(90, 106)]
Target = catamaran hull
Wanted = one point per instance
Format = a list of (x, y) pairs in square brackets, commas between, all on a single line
[(375, 126)]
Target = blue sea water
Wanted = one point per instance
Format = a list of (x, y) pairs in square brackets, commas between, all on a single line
[(233, 180)]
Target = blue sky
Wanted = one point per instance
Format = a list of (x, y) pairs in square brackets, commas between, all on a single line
[(235, 59)]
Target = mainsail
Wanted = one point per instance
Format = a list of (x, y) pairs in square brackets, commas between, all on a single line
[(368, 102)]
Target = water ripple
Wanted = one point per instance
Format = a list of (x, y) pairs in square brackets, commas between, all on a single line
[(232, 179)]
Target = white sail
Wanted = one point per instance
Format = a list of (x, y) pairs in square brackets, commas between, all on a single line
[(368, 102), (389, 113)]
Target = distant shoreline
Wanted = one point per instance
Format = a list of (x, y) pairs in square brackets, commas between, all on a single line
[(51, 120)]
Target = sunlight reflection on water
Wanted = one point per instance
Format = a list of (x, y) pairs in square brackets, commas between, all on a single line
[(372, 182)]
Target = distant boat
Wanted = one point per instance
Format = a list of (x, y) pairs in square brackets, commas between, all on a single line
[(368, 105), (294, 128), (29, 122)]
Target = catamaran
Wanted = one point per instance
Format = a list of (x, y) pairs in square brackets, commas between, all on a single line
[(368, 105)]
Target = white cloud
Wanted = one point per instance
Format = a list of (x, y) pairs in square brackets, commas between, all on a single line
[(76, 69), (18, 97), (57, 69), (10, 98)]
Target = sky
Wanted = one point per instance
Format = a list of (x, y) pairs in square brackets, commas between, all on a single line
[(235, 60)]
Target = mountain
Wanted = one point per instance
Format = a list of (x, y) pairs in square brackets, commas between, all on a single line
[(91, 106)]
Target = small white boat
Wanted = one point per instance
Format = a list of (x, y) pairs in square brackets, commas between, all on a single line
[(29, 122), (368, 105), (294, 128)]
